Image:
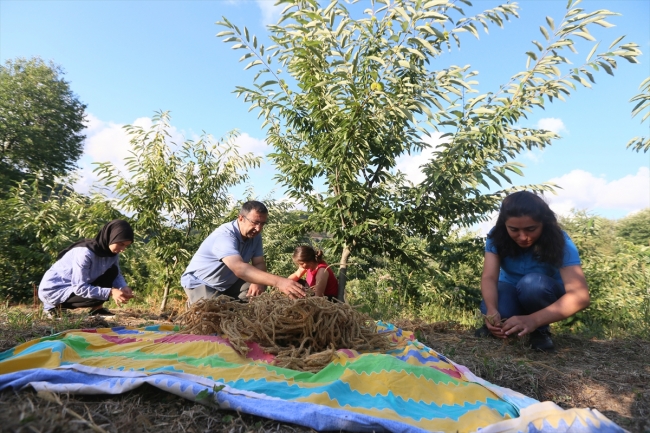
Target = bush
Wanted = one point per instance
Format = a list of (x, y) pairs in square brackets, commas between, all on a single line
[(635, 228), (618, 276)]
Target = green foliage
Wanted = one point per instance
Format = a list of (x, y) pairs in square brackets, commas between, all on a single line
[(36, 227), (642, 104), (177, 196), (444, 288), (635, 228), (282, 235), (618, 276), (344, 96), (41, 121)]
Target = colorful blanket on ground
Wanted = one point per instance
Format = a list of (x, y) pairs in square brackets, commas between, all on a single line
[(409, 389)]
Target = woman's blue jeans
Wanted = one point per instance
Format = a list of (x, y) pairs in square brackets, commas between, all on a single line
[(533, 293)]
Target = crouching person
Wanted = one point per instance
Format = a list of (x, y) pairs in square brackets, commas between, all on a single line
[(230, 261), (318, 274), (87, 273), (532, 275)]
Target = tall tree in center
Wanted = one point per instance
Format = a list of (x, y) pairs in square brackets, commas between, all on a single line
[(344, 93)]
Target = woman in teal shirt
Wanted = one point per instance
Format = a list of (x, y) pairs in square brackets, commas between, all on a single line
[(531, 273)]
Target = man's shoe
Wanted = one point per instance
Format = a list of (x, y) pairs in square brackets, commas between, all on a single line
[(483, 332), (541, 340), (100, 312)]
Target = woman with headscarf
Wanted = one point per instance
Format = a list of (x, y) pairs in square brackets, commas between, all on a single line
[(87, 273)]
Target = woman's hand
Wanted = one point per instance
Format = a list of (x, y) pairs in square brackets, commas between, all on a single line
[(493, 323), (521, 325), (121, 296)]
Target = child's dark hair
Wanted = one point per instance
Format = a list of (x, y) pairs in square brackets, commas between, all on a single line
[(549, 248), (307, 254)]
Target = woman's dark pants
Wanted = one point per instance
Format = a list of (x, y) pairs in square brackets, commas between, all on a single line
[(534, 292), (104, 280)]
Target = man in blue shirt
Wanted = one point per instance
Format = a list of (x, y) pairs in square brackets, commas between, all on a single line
[(231, 261)]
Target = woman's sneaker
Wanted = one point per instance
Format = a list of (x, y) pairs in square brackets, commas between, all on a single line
[(541, 340), (53, 313), (100, 312)]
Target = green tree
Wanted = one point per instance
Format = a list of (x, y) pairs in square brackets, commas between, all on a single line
[(41, 121), (635, 228), (282, 235), (343, 96), (642, 104), (36, 226), (176, 196)]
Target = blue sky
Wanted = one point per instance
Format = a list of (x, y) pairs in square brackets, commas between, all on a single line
[(127, 59)]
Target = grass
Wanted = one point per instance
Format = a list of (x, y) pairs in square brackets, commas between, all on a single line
[(612, 376)]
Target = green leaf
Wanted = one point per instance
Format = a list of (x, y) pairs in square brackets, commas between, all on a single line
[(543, 30), (253, 63), (550, 23), (531, 55), (616, 41), (584, 35), (591, 53), (606, 67), (203, 395)]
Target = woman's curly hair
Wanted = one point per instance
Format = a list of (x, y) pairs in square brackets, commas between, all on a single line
[(549, 248)]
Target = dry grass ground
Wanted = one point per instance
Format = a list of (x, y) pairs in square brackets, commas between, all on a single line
[(612, 376)]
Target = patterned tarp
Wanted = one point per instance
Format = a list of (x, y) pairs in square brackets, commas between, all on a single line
[(409, 389)]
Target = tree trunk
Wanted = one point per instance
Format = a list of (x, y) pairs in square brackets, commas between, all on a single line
[(168, 272), (163, 304), (343, 270)]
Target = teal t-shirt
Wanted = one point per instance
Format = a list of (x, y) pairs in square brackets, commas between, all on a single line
[(514, 269)]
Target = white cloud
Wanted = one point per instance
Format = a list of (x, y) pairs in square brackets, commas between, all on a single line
[(535, 155), (583, 190), (410, 164), (270, 12), (246, 144), (109, 142), (552, 124)]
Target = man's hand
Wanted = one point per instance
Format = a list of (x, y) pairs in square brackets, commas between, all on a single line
[(521, 325), (291, 288), (255, 290), (122, 296)]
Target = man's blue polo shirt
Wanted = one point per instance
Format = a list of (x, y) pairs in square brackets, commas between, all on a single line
[(207, 267), (514, 269)]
